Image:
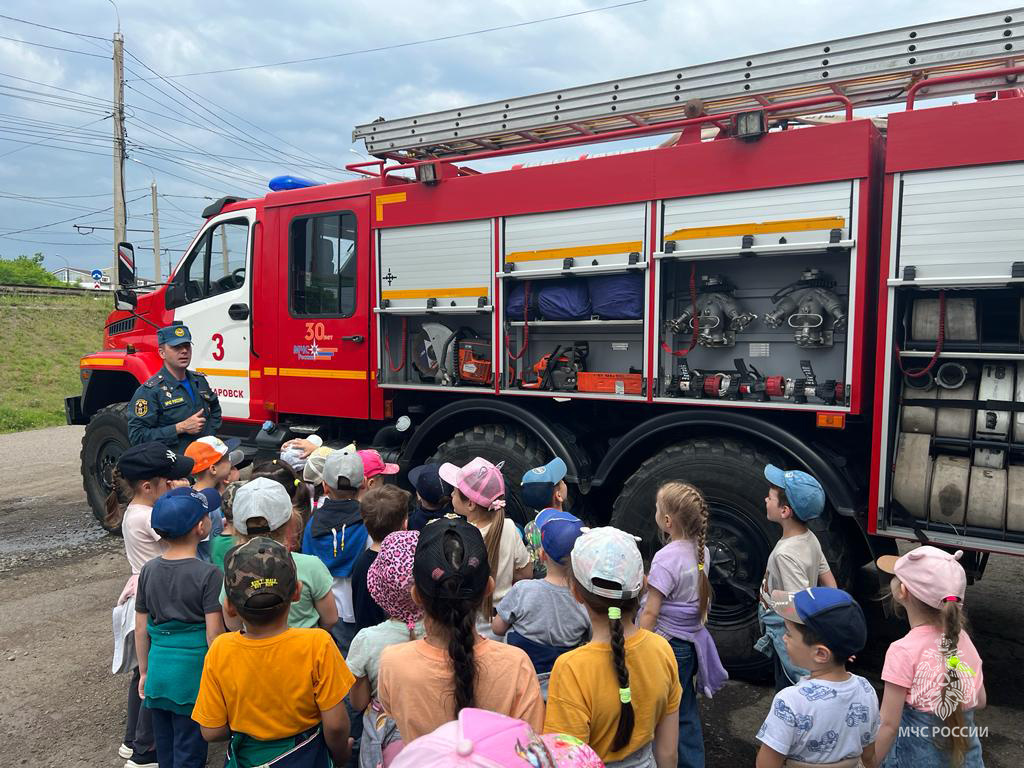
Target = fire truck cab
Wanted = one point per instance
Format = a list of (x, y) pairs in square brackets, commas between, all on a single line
[(737, 296)]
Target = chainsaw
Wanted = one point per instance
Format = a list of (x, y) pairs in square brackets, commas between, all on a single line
[(558, 370)]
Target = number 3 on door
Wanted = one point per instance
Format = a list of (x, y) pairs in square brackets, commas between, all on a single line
[(218, 352)]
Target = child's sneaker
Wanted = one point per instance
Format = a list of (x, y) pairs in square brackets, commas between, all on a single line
[(142, 760), (124, 751)]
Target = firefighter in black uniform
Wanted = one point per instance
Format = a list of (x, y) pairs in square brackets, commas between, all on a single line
[(175, 405)]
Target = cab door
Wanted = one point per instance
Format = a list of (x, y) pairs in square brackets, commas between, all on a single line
[(211, 296), (323, 331)]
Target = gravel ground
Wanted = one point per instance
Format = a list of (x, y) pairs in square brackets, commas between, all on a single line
[(60, 706)]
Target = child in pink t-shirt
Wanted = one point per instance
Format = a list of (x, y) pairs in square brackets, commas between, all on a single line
[(143, 474), (933, 678)]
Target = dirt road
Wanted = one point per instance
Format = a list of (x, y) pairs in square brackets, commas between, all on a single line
[(60, 706)]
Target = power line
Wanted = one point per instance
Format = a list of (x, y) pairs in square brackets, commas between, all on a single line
[(62, 221), (53, 47), (71, 197), (407, 44), (253, 142), (149, 127), (273, 135), (52, 29), (193, 182), (256, 144), (52, 100)]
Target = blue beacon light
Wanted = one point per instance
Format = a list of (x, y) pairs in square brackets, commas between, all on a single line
[(281, 183)]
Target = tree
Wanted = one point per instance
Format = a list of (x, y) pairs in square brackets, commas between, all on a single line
[(26, 270)]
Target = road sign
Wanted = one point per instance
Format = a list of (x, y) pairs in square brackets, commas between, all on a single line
[(96, 286), (96, 275)]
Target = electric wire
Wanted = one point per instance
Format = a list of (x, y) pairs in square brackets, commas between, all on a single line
[(409, 44)]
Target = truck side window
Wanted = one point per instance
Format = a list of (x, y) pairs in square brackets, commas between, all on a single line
[(323, 265), (216, 263)]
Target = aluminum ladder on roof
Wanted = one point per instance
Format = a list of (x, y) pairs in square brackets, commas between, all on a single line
[(872, 69)]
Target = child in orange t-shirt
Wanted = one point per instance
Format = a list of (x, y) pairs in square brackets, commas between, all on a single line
[(297, 703)]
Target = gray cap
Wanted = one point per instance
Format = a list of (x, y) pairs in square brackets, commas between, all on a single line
[(343, 470), (261, 497)]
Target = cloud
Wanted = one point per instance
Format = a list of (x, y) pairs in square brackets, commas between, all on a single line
[(216, 134)]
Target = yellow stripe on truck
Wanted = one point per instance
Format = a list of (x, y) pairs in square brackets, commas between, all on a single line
[(85, 362), (758, 228), (435, 293), (575, 251), (233, 372), (313, 373)]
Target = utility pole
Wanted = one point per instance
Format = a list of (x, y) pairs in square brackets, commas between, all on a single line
[(157, 277), (120, 209)]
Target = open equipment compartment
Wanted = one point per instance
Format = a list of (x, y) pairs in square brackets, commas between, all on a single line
[(949, 462), (754, 296), (435, 305), (574, 293)]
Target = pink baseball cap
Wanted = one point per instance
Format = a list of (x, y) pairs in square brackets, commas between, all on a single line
[(929, 574), (374, 465), (479, 481), (483, 739)]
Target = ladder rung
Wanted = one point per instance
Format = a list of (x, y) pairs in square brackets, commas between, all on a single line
[(872, 69)]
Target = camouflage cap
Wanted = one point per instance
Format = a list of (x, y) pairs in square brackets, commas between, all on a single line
[(259, 575)]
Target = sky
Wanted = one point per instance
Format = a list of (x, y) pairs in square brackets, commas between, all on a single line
[(203, 136)]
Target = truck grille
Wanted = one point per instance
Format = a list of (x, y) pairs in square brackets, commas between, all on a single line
[(121, 326)]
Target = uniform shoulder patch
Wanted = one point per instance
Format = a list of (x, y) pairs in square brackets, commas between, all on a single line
[(141, 406), (153, 380)]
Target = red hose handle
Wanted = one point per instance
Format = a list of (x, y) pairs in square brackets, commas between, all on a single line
[(695, 322), (526, 326), (940, 338)]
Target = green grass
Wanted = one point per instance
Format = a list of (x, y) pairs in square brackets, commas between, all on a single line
[(41, 341)]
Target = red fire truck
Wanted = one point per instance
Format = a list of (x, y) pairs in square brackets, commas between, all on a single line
[(770, 284)]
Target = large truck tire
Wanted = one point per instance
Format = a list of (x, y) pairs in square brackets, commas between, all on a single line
[(105, 439), (497, 442), (730, 473)]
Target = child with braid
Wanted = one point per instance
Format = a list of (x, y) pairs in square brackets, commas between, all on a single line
[(479, 496), (620, 692), (676, 607), (425, 683), (933, 678)]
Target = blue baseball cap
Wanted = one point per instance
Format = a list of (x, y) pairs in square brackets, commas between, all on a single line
[(553, 472), (174, 335), (177, 512), (558, 536), (539, 483), (832, 614), (545, 516), (804, 493)]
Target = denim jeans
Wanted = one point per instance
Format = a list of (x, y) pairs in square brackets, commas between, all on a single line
[(179, 742), (920, 751), (691, 736)]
